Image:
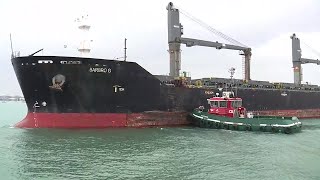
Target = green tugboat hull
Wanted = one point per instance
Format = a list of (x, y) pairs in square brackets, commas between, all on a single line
[(287, 125)]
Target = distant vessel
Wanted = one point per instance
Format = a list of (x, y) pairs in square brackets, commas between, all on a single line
[(81, 92), (227, 112)]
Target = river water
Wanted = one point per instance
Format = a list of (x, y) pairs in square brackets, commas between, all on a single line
[(154, 153)]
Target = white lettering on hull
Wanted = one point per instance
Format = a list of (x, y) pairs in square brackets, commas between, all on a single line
[(70, 62), (118, 88), (100, 70)]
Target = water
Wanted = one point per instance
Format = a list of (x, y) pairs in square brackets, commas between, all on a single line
[(154, 153)]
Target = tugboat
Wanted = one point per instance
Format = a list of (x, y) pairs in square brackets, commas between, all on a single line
[(227, 112)]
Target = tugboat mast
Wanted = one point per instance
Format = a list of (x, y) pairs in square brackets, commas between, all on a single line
[(232, 71)]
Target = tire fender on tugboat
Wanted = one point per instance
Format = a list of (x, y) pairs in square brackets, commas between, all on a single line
[(248, 127), (217, 125), (287, 130)]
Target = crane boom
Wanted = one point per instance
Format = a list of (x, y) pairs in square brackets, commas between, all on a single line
[(175, 30), (196, 42), (306, 61)]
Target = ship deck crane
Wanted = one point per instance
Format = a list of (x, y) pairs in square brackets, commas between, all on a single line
[(175, 31), (297, 60)]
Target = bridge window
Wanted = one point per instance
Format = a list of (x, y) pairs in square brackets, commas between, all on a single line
[(217, 104), (236, 104), (214, 104), (223, 104)]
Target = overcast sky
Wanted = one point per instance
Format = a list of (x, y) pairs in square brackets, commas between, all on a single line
[(265, 26)]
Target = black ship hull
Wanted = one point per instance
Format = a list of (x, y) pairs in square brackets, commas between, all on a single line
[(68, 92)]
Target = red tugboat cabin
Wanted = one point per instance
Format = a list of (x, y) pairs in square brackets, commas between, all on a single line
[(227, 105)]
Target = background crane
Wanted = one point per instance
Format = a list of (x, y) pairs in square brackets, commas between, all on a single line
[(175, 31), (297, 60)]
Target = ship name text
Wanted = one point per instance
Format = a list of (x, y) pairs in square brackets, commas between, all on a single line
[(100, 70)]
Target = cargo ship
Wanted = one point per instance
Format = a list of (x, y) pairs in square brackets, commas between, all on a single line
[(82, 92)]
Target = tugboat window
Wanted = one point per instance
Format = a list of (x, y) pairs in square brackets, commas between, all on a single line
[(236, 104), (214, 104), (223, 103)]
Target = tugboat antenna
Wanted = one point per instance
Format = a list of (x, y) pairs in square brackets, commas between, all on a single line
[(231, 71)]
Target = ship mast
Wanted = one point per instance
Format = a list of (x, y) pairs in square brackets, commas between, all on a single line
[(125, 49), (84, 46)]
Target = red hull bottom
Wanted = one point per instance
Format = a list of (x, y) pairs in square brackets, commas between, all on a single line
[(102, 120), (118, 120)]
